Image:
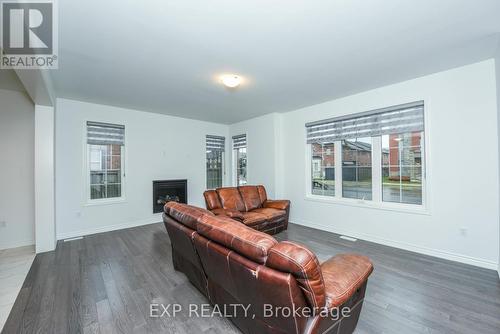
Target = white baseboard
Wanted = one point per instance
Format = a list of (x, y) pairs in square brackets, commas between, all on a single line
[(107, 228), (15, 244), (409, 247)]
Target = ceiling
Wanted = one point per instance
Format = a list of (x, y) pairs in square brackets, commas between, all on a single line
[(164, 56)]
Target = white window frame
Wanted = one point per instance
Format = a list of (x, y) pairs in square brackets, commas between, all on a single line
[(87, 201), (376, 201)]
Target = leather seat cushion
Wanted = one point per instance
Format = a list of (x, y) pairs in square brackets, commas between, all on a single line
[(232, 234), (187, 215), (343, 274), (253, 218), (271, 214)]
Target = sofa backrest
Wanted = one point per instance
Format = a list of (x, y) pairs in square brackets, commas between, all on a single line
[(230, 198), (212, 200), (185, 214), (242, 198), (251, 197), (262, 193), (234, 235), (304, 266)]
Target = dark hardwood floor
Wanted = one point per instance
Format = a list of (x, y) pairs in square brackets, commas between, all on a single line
[(105, 283)]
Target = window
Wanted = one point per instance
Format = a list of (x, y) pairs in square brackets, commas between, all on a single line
[(380, 155), (357, 168), (215, 146), (240, 159), (105, 151), (323, 169), (402, 168)]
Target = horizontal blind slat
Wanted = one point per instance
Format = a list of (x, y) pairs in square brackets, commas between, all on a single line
[(239, 141), (392, 120), (215, 143), (105, 134)]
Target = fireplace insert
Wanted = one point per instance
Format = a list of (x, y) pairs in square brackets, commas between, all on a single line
[(168, 190)]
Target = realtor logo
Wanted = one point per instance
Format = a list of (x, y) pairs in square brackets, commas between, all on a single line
[(28, 35)]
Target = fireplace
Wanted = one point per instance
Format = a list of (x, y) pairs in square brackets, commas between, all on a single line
[(167, 191)]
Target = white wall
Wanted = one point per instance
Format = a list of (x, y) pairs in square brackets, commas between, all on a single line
[(16, 169), (463, 185), (497, 63), (262, 150), (157, 147), (45, 225)]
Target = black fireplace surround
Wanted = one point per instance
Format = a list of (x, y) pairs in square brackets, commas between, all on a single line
[(168, 190)]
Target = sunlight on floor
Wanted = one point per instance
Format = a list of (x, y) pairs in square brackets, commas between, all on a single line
[(14, 266)]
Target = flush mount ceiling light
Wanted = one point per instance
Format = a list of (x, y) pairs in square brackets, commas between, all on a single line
[(230, 80)]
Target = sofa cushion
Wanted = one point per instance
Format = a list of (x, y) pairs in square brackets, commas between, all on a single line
[(262, 193), (271, 214), (242, 239), (253, 218), (236, 215), (343, 275), (185, 214), (231, 199), (304, 266), (250, 196), (212, 200)]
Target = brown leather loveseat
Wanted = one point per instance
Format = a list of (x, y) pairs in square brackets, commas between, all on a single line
[(249, 205), (282, 285)]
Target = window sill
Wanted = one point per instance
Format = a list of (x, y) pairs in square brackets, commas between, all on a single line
[(404, 208), (107, 201)]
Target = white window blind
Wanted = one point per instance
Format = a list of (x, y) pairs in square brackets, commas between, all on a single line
[(239, 141), (215, 143), (392, 120), (105, 134)]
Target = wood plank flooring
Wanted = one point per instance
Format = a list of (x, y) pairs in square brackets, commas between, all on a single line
[(105, 283)]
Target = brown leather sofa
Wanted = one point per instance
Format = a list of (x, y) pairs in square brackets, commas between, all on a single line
[(250, 206), (283, 285)]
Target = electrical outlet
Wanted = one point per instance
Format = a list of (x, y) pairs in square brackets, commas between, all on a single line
[(3, 224), (463, 231)]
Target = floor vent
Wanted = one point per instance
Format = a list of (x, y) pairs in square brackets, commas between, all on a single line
[(348, 238), (73, 239)]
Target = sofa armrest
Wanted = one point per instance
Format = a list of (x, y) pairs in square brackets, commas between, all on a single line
[(277, 204), (343, 274), (233, 214)]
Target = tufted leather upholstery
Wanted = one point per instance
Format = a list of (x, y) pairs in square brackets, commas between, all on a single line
[(249, 205), (233, 264)]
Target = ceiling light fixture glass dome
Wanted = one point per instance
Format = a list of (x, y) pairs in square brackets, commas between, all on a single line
[(230, 80)]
